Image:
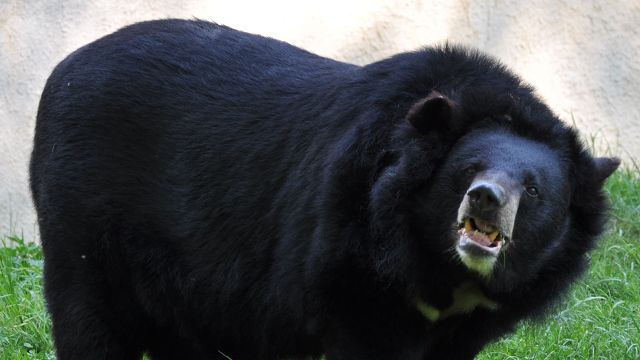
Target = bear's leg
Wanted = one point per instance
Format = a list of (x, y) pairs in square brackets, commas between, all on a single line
[(382, 338), (465, 338), (166, 345), (91, 309), (79, 333), (369, 346)]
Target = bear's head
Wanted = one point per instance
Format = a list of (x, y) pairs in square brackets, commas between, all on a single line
[(501, 191), (512, 212)]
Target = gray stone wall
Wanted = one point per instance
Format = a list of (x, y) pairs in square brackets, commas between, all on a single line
[(582, 56)]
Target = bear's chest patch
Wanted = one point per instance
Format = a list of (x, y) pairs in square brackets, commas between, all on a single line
[(466, 298)]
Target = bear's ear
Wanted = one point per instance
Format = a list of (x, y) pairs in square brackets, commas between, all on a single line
[(604, 167), (433, 113)]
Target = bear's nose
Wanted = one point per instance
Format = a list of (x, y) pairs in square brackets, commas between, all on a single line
[(486, 196)]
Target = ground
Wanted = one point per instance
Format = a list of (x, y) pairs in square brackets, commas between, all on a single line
[(598, 320)]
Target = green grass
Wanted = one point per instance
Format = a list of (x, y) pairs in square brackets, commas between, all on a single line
[(600, 318), (24, 324)]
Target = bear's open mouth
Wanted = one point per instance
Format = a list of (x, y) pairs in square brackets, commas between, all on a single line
[(481, 233)]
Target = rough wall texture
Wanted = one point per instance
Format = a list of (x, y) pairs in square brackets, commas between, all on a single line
[(583, 56)]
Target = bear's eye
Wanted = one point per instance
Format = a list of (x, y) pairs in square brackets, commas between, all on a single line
[(470, 170), (532, 191)]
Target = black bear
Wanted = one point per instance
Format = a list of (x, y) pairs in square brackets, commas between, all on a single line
[(203, 193)]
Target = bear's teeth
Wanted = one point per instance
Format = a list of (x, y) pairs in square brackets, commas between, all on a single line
[(470, 228), (467, 226)]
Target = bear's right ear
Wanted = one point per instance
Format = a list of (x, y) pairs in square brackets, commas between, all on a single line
[(604, 167), (433, 113)]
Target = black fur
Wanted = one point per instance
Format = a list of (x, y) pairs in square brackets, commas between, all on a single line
[(203, 191)]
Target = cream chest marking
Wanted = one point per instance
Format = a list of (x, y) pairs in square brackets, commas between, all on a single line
[(466, 298)]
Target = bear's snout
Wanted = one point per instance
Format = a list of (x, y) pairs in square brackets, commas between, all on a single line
[(492, 198), (486, 196), (486, 218)]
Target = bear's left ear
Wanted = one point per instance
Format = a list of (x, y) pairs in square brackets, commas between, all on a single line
[(604, 167), (433, 113)]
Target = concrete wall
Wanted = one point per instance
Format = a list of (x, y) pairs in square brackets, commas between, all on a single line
[(583, 56)]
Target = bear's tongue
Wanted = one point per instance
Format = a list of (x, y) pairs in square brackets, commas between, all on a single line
[(478, 236)]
